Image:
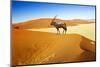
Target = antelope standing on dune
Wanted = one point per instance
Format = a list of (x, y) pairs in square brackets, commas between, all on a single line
[(58, 25)]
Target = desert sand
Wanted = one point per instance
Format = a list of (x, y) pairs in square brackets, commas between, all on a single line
[(39, 44), (86, 30)]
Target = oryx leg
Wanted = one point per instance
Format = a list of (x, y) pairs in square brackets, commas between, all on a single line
[(63, 31), (58, 32)]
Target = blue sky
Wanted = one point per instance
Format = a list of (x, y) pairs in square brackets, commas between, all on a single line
[(23, 11)]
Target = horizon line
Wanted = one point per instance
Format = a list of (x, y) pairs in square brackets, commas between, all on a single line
[(51, 18)]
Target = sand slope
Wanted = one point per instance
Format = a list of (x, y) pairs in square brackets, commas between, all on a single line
[(31, 47)]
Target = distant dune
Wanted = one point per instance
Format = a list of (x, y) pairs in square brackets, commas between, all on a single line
[(31, 47), (45, 23)]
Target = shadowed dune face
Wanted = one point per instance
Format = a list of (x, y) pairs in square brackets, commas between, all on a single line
[(86, 56), (39, 47), (88, 45)]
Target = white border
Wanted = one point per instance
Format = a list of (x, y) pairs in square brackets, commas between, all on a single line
[(5, 33), (85, 2)]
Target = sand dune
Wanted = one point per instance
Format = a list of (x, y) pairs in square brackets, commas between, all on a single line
[(45, 23), (36, 42), (31, 47)]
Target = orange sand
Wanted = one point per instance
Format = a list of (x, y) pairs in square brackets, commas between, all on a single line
[(39, 47)]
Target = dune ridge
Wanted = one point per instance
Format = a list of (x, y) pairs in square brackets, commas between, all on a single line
[(45, 23)]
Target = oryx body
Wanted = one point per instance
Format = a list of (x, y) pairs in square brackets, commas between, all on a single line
[(58, 25)]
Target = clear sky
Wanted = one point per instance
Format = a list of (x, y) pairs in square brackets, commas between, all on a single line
[(23, 11)]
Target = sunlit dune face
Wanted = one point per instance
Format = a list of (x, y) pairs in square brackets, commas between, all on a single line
[(87, 30)]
